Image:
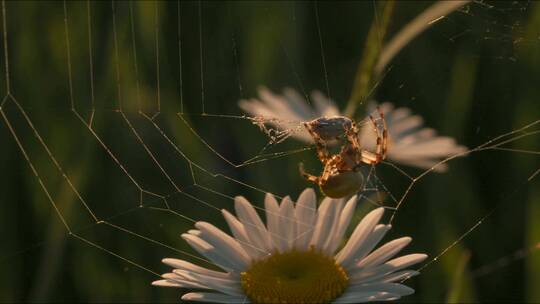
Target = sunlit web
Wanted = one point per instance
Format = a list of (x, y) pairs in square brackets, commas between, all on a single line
[(133, 141)]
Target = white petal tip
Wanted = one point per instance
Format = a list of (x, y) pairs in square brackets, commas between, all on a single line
[(201, 225), (169, 275), (204, 297), (194, 232), (405, 290), (240, 201), (164, 283), (378, 210), (308, 190), (226, 213), (419, 257), (402, 242), (191, 297), (377, 213)]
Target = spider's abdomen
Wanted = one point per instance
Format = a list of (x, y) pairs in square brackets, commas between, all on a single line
[(342, 184), (329, 128)]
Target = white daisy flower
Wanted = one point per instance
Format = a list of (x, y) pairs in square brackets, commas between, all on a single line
[(294, 258), (409, 143)]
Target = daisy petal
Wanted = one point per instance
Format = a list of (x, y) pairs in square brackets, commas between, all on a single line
[(182, 276), (407, 124), (209, 252), (226, 286), (209, 297), (185, 265), (165, 283), (432, 148), (280, 105), (372, 240), (253, 224), (335, 226), (362, 275), (240, 234), (343, 223), (287, 223), (424, 164), (407, 260), (227, 246), (258, 109), (385, 252), (400, 276), (323, 105), (272, 221), (393, 288), (305, 217), (194, 232), (383, 273), (325, 221), (358, 237), (366, 296), (298, 103), (182, 281)]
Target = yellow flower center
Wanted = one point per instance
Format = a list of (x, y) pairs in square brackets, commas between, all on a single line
[(294, 277)]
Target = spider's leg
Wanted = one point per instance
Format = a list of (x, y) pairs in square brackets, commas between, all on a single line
[(322, 152), (381, 145), (384, 147), (326, 174), (370, 158), (309, 177), (353, 140), (378, 147)]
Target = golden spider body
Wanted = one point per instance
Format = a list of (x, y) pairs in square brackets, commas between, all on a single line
[(329, 128), (336, 181), (341, 176)]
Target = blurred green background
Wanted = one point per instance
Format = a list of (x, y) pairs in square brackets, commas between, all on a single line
[(473, 75)]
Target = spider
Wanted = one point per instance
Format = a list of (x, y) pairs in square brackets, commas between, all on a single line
[(341, 176)]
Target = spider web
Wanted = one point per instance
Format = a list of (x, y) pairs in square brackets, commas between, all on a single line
[(124, 150)]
